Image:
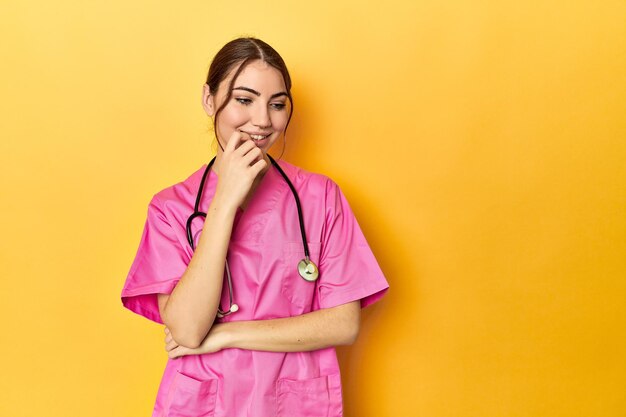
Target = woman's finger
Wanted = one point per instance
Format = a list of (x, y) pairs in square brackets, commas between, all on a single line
[(177, 352), (244, 148), (233, 141), (258, 166), (171, 345), (252, 156), (173, 354)]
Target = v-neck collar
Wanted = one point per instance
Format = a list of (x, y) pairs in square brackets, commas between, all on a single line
[(251, 222)]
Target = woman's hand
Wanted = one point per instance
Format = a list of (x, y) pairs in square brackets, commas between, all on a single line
[(213, 342), (240, 164)]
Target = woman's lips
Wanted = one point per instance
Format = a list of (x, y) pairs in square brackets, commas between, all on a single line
[(257, 135), (259, 139)]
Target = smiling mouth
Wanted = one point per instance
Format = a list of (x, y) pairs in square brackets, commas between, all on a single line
[(258, 137)]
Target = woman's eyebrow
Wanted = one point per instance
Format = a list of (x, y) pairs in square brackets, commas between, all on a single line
[(256, 93)]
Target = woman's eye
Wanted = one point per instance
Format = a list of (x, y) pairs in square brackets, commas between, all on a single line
[(278, 106), (243, 100)]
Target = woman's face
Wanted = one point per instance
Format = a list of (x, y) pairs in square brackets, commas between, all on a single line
[(258, 107)]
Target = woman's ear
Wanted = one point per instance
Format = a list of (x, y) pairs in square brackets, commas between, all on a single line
[(208, 102)]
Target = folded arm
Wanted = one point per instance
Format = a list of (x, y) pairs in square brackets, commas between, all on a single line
[(311, 331)]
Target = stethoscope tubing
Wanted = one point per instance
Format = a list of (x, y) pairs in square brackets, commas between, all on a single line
[(305, 245), (307, 269), (196, 206)]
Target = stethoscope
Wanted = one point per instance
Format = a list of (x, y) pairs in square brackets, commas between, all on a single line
[(306, 267)]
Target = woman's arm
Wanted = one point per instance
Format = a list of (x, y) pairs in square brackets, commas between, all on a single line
[(189, 311), (311, 331)]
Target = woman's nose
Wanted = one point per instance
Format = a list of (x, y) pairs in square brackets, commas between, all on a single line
[(261, 116)]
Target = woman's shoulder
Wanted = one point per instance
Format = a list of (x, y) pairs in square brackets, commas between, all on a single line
[(302, 178), (181, 191)]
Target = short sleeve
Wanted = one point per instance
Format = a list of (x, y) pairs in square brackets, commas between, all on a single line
[(348, 269), (158, 266)]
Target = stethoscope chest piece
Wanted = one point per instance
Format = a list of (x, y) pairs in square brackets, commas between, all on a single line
[(233, 309), (308, 270)]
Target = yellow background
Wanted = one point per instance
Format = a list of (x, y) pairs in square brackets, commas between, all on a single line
[(481, 144)]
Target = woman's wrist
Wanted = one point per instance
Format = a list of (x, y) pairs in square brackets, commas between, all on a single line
[(221, 204), (223, 335)]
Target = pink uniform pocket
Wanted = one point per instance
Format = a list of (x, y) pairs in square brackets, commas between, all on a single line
[(191, 397), (316, 397)]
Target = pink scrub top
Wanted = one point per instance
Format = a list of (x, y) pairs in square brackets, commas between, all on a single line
[(263, 254)]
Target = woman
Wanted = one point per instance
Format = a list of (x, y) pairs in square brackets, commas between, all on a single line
[(251, 321)]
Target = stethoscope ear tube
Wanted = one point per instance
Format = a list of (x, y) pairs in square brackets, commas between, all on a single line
[(196, 206), (305, 245)]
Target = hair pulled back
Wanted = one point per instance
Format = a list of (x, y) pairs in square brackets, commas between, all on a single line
[(240, 52)]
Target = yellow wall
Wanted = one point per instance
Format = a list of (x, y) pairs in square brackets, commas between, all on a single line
[(482, 145)]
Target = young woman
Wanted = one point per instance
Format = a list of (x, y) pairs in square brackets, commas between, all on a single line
[(256, 293)]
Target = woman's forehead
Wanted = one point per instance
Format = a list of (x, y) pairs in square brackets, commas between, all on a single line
[(258, 75)]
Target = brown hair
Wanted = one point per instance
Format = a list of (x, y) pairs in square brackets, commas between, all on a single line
[(242, 51)]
